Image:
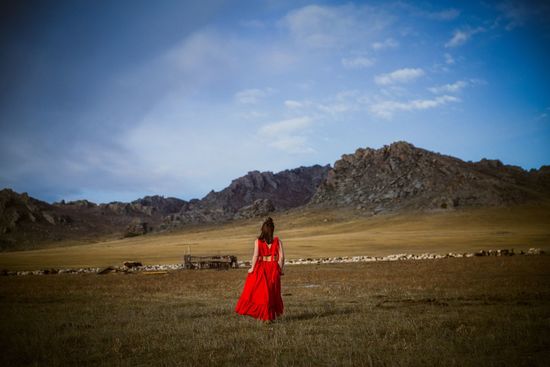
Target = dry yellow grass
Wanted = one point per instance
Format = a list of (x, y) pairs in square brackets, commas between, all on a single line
[(314, 234), (479, 311)]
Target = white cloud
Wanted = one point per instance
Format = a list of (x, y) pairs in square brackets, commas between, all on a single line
[(286, 126), (449, 88), (293, 104), (252, 115), (319, 26), (394, 91), (252, 96), (175, 141), (447, 14), (387, 43), (460, 37), (441, 15), (284, 135), (449, 60), (292, 144), (335, 108), (543, 115), (310, 25), (386, 109), (342, 102), (276, 59), (358, 62), (203, 52), (399, 76)]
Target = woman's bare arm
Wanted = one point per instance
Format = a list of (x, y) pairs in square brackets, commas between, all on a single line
[(254, 257), (281, 255)]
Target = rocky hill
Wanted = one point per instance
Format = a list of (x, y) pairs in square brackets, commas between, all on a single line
[(401, 176), (148, 205), (254, 194), (26, 222), (395, 177)]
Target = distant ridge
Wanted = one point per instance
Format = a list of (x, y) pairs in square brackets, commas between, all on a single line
[(26, 222), (393, 178)]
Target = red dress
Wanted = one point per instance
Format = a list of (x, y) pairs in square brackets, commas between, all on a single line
[(261, 296)]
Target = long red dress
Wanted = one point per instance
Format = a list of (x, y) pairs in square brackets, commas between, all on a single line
[(261, 296)]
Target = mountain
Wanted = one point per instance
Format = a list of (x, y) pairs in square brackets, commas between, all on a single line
[(401, 176), (254, 194), (394, 178), (26, 222)]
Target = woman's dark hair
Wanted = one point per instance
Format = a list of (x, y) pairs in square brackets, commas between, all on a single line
[(267, 230)]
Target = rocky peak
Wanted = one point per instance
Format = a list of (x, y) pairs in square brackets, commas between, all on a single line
[(254, 180), (257, 192), (401, 175), (158, 204), (76, 203)]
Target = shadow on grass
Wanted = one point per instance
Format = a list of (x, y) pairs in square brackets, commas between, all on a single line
[(308, 315)]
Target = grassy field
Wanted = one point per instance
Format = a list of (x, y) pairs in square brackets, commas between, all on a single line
[(480, 311), (314, 234)]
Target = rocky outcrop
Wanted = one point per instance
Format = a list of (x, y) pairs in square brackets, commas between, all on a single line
[(402, 176), (253, 194), (148, 205), (17, 210), (137, 228), (258, 208), (286, 189), (158, 204), (82, 204)]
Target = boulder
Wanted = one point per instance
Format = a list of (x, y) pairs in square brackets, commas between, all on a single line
[(136, 228)]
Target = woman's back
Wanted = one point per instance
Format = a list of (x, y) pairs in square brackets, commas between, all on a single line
[(265, 250)]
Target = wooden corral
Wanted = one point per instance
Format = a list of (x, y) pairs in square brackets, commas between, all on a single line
[(210, 262)]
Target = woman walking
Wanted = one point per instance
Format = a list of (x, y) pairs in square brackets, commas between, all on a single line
[(261, 295)]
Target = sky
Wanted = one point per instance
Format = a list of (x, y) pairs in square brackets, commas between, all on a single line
[(112, 101)]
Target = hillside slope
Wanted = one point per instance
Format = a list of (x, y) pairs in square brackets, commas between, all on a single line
[(315, 233), (402, 176)]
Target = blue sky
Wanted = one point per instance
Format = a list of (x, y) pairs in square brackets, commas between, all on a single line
[(117, 101)]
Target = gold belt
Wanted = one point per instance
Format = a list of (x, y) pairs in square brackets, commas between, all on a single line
[(268, 258)]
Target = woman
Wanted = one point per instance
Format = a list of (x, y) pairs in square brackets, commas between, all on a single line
[(261, 296)]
